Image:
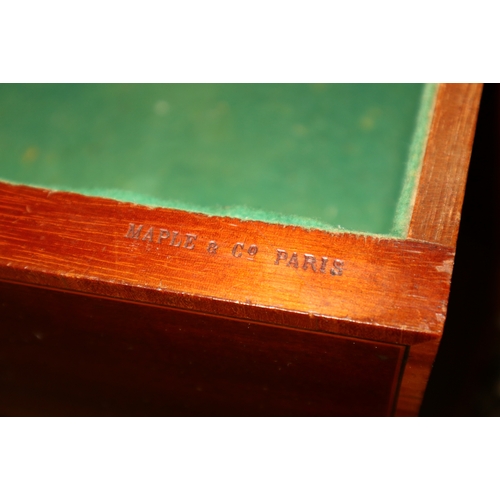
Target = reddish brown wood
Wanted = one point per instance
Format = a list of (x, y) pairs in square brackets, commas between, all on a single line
[(65, 259), (107, 357), (78, 243), (438, 203), (415, 377)]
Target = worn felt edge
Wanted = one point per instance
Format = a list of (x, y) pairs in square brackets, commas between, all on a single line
[(414, 163), (241, 213), (237, 212)]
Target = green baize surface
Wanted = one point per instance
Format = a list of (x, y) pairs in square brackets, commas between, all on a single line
[(317, 155)]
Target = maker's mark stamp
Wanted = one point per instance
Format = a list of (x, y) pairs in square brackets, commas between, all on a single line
[(240, 250)]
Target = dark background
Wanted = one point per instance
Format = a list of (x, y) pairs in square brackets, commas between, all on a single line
[(465, 380)]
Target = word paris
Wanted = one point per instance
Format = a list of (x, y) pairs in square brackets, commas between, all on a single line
[(239, 249)]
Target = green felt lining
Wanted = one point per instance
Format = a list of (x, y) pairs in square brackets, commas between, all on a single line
[(320, 156), (414, 163)]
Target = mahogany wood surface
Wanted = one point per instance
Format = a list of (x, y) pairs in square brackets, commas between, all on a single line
[(416, 375), (77, 243), (108, 357), (440, 193), (394, 291), (92, 275)]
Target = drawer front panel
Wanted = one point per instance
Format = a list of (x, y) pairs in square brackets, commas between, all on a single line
[(74, 354)]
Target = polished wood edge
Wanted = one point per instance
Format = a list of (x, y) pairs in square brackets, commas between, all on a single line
[(284, 319), (415, 377), (377, 288), (113, 353), (440, 192)]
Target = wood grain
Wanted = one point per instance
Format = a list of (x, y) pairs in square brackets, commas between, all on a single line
[(80, 284), (66, 354), (441, 188), (416, 375), (389, 290)]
